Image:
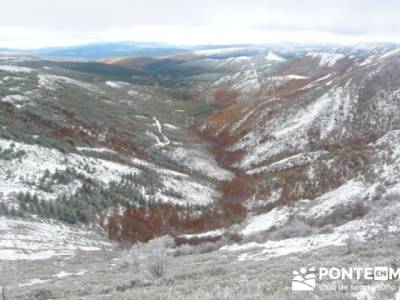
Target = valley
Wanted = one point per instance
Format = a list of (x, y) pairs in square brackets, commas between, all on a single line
[(137, 177)]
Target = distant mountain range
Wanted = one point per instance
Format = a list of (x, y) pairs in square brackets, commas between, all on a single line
[(115, 49), (100, 50)]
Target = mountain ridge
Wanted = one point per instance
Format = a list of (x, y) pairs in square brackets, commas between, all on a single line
[(250, 152)]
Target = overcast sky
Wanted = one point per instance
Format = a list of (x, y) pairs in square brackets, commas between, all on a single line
[(42, 23)]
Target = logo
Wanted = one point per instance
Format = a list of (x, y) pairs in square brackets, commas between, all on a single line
[(304, 280), (381, 273), (334, 278)]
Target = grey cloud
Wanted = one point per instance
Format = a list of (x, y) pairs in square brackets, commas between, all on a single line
[(85, 18)]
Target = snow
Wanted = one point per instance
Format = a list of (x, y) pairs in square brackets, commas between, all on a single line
[(98, 150), (80, 273), (243, 120), (306, 117), (292, 77), (390, 53), (34, 281), (247, 86), (161, 139), (272, 248), (208, 234), (323, 78), (192, 192), (276, 217), (273, 57), (326, 113), (360, 229), (170, 126), (64, 274), (326, 59), (289, 162), (201, 162), (239, 59), (15, 69), (388, 165), (60, 275), (269, 249), (368, 61), (118, 85), (284, 78), (276, 81), (30, 240), (244, 82), (209, 52), (133, 93), (52, 82), (16, 174), (340, 196), (15, 99)]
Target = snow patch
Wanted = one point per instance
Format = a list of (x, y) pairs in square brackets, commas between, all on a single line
[(269, 249), (29, 240), (15, 99), (326, 59), (34, 281), (273, 57), (208, 234), (118, 85), (15, 69), (340, 196), (276, 217), (198, 161), (23, 174), (209, 52), (52, 82)]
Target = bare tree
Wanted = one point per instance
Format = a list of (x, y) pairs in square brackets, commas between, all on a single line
[(154, 255)]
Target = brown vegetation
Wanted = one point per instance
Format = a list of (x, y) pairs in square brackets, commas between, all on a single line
[(224, 97), (146, 222)]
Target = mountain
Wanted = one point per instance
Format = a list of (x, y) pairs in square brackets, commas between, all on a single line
[(249, 160), (100, 50)]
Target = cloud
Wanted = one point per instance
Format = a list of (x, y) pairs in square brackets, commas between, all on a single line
[(26, 23)]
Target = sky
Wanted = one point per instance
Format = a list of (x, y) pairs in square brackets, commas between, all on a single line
[(28, 24)]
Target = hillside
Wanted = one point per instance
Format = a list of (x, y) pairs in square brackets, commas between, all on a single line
[(245, 154)]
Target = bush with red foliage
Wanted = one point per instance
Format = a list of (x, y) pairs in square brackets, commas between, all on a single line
[(224, 97), (145, 222)]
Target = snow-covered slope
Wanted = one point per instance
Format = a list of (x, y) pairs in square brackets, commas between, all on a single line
[(29, 240), (304, 140), (317, 150)]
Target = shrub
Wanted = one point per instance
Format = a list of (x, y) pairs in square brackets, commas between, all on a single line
[(392, 196), (207, 247), (11, 153), (296, 228), (153, 255), (157, 266), (204, 247), (8, 280), (43, 294), (185, 249)]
